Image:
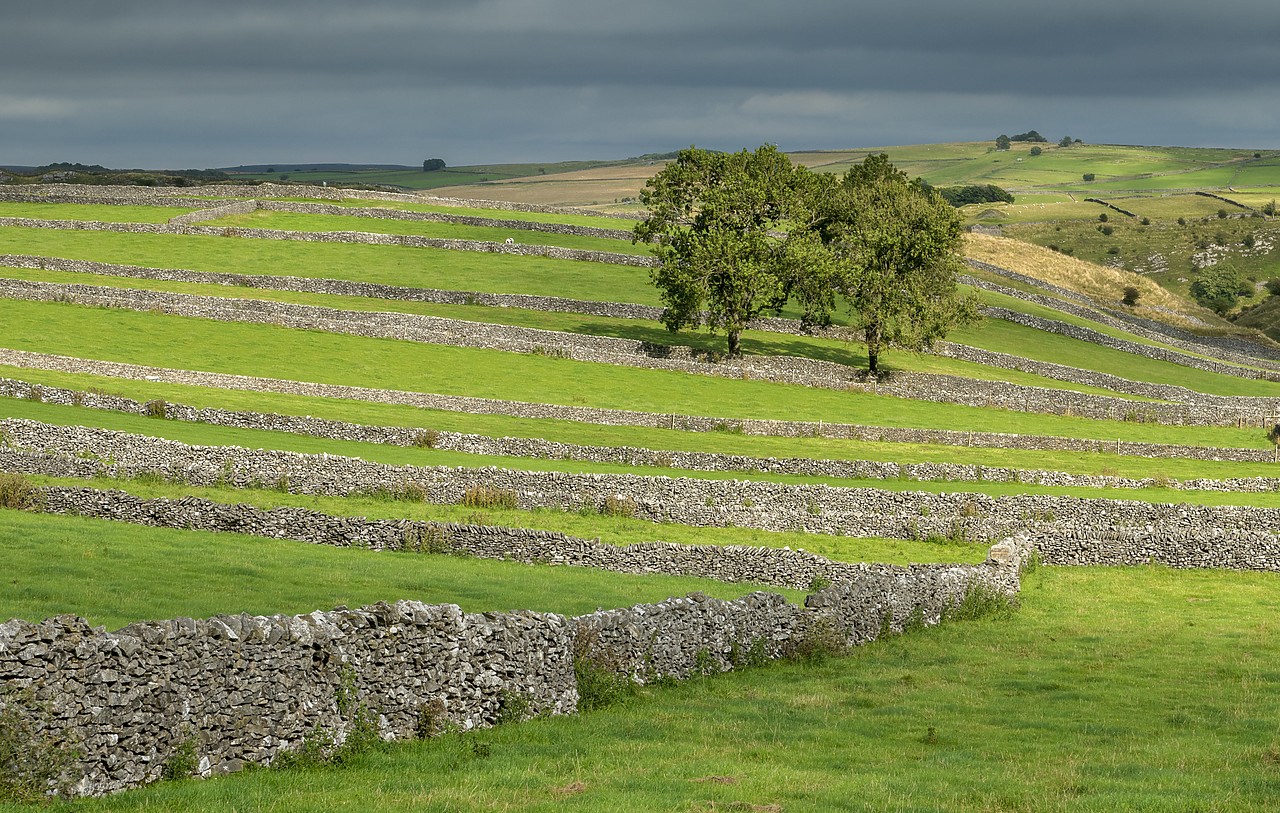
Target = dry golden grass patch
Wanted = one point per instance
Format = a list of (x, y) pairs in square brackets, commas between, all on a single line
[(1099, 283)]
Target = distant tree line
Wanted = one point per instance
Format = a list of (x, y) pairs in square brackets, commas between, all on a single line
[(958, 196)]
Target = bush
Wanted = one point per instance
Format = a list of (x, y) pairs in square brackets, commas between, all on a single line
[(1088, 176), (32, 764), (1036, 151), (1273, 286), (1102, 218), (601, 679), (1131, 294), (1107, 231), (426, 438), (617, 505), (17, 493)]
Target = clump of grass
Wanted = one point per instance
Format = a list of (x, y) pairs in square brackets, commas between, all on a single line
[(32, 764), (489, 497), (819, 639), (431, 539), (156, 408)]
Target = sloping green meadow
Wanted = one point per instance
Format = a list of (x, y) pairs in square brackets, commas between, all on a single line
[(1138, 688)]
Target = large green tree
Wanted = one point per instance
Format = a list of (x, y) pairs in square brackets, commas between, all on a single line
[(719, 225), (890, 256)]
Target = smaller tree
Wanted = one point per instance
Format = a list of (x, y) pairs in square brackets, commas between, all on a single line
[(1002, 142), (1036, 151), (432, 164), (1131, 294), (1065, 142), (1088, 176)]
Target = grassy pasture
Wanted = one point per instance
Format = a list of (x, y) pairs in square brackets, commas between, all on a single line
[(1110, 689), (1081, 463), (878, 411), (85, 211), (290, 221), (468, 211), (114, 574), (389, 265)]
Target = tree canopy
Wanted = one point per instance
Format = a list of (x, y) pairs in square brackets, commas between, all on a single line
[(716, 220), (892, 250), (740, 234)]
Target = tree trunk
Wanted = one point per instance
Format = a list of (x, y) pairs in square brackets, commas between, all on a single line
[(735, 344), (873, 348)]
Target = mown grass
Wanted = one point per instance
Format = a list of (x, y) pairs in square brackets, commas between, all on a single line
[(84, 211), (291, 221), (859, 408), (256, 350), (388, 265), (114, 574), (1110, 689)]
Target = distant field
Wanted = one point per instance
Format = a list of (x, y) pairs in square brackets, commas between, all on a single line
[(83, 211), (289, 221)]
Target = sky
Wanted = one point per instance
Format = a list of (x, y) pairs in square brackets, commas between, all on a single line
[(174, 84)]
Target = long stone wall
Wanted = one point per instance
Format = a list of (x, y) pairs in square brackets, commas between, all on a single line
[(1200, 409), (850, 468), (243, 689), (1247, 532)]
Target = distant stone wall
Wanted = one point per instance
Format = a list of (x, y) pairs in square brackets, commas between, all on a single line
[(1199, 408), (364, 238), (851, 468), (162, 196), (73, 451)]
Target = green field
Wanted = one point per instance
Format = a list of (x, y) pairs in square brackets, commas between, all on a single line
[(1109, 690), (1139, 688)]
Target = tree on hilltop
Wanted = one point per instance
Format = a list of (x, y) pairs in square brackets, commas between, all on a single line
[(432, 164), (1002, 142)]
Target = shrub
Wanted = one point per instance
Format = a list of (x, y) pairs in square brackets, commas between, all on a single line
[(1113, 250), (1102, 218), (1146, 221), (1182, 221), (1088, 176), (1273, 286), (426, 438), (32, 764), (430, 539), (1247, 241), (1035, 151), (156, 408), (617, 505), (1222, 214), (1131, 294), (182, 762), (598, 671), (981, 601), (819, 638), (17, 492), (489, 497), (1107, 231)]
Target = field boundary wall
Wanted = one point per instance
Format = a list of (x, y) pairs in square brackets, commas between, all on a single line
[(696, 461), (242, 689), (1204, 535)]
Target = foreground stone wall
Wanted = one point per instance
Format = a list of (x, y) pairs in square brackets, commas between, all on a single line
[(244, 689)]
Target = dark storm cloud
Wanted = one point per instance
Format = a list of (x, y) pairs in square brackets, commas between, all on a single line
[(143, 81)]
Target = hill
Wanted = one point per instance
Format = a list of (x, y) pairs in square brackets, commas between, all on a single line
[(371, 356)]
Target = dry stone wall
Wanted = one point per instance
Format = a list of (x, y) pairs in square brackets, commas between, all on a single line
[(365, 238), (81, 452), (1200, 409), (851, 468), (242, 689)]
